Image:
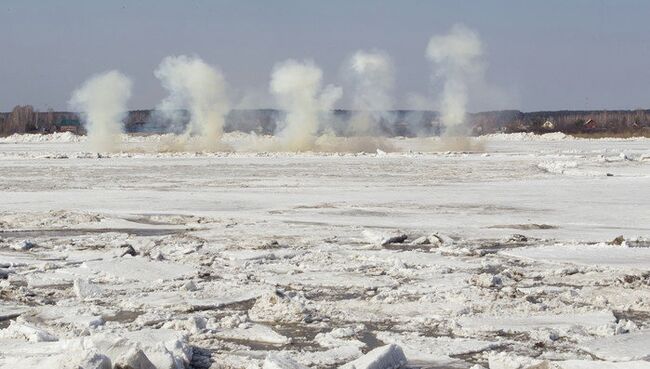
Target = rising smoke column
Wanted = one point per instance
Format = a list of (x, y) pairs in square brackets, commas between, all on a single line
[(297, 89), (372, 73), (102, 102), (457, 61), (201, 89)]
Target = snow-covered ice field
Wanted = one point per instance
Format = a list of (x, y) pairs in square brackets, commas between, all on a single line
[(504, 255)]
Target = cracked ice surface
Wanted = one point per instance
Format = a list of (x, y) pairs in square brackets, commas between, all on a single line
[(502, 258)]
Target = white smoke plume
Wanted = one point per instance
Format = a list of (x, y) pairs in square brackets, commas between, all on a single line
[(297, 87), (372, 73), (457, 61), (199, 88), (102, 102)]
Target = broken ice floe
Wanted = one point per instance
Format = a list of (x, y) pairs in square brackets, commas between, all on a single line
[(385, 357)]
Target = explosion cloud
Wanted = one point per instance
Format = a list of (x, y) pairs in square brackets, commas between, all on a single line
[(456, 59), (199, 88), (372, 73), (297, 89), (102, 102)]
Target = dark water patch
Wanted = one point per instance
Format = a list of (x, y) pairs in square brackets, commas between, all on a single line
[(308, 223), (161, 219), (370, 339), (254, 345), (477, 357), (302, 334), (244, 305), (302, 337), (201, 358), (241, 305), (408, 247), (334, 294), (492, 247), (640, 318), (6, 319), (147, 220)]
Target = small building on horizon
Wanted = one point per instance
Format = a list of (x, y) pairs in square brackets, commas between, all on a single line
[(70, 125), (548, 125), (590, 124)]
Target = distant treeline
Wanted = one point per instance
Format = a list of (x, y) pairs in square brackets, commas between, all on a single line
[(25, 119)]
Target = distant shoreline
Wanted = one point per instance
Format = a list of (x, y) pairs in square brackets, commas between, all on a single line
[(409, 123)]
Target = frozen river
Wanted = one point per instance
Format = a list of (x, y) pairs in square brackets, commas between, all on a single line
[(243, 259)]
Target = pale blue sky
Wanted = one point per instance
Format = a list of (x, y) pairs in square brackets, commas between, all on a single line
[(559, 54)]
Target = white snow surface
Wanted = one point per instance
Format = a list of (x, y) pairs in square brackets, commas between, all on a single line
[(504, 251)]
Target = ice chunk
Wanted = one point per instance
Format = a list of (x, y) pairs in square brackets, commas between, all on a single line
[(23, 245), (636, 242), (68, 315), (592, 255), (140, 269), (523, 323), (280, 307), (85, 289), (255, 333), (622, 347), (329, 358), (11, 311), (196, 324), (587, 364), (190, 286), (165, 349), (94, 360), (504, 360), (340, 337), (281, 361), (27, 332), (487, 280), (440, 239), (384, 238), (134, 359), (385, 357), (424, 240), (435, 349)]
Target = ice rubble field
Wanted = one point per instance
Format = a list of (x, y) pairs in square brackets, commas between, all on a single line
[(501, 257)]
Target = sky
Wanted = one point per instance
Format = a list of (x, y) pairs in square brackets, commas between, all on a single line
[(540, 55)]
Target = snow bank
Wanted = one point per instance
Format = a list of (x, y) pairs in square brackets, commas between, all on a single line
[(38, 138), (554, 136), (527, 136)]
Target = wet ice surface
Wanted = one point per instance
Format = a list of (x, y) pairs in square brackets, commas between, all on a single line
[(299, 260)]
